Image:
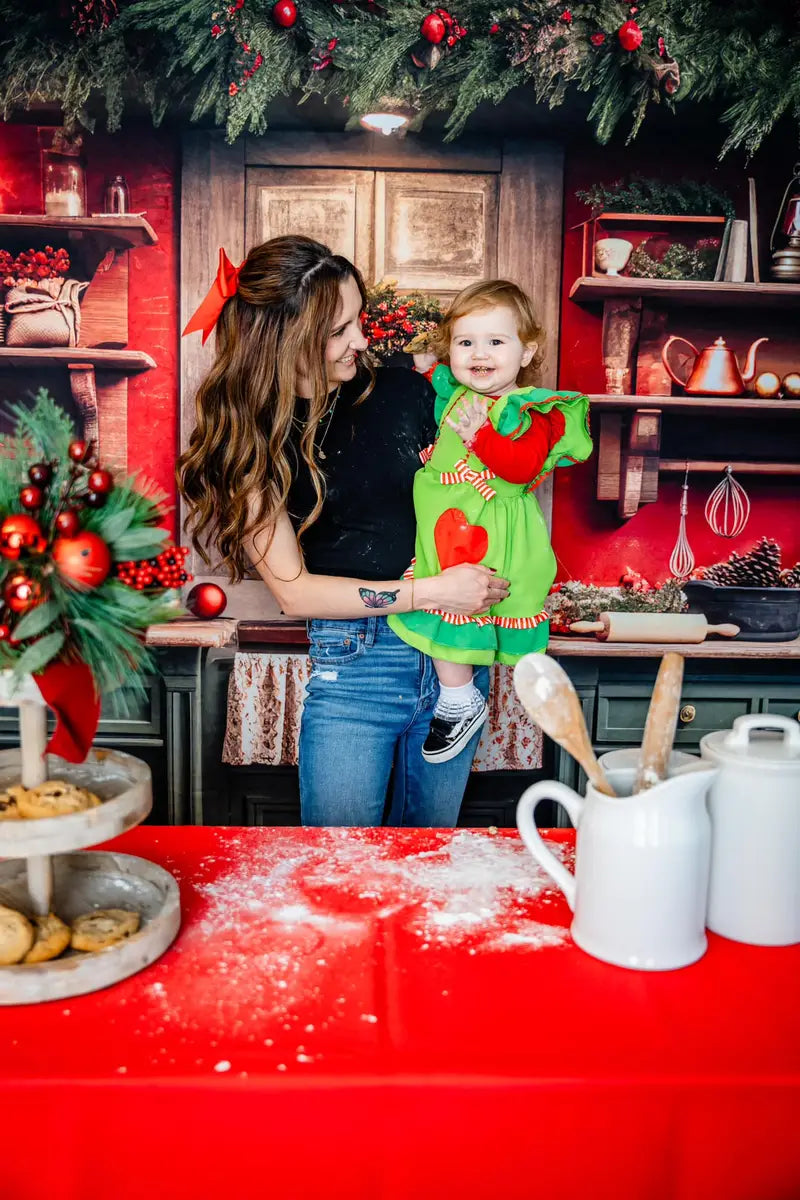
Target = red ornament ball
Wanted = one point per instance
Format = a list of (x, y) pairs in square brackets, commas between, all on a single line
[(77, 451), (40, 474), (284, 13), (85, 559), (433, 28), (101, 481), (20, 532), (31, 497), (95, 499), (206, 600), (21, 593), (630, 36), (5, 633), (67, 523)]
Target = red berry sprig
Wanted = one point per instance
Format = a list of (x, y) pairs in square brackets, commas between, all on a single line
[(166, 570)]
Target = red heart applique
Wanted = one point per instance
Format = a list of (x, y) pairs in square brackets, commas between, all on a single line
[(457, 541)]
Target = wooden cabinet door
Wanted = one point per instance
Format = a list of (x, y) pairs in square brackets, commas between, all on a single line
[(429, 216), (334, 207), (435, 231)]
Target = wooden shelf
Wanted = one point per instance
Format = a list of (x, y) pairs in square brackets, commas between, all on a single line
[(709, 294), (287, 632), (129, 362), (739, 404), (739, 468), (120, 233)]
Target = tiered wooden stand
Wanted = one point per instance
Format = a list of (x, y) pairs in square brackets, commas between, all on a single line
[(48, 869)]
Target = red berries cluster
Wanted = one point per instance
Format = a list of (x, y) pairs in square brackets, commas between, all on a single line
[(388, 323), (164, 571), (33, 264)]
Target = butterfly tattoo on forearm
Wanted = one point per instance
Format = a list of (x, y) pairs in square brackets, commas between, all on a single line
[(373, 599)]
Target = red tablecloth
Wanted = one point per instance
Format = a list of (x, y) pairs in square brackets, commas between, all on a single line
[(399, 1014)]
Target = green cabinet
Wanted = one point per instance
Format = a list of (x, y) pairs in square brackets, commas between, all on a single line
[(615, 696)]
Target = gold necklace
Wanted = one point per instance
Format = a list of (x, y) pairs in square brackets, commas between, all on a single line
[(321, 455)]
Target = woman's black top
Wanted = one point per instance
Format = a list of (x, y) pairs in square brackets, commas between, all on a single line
[(372, 451)]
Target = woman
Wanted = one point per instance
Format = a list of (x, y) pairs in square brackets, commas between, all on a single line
[(302, 464)]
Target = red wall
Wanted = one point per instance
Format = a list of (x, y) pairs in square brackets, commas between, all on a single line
[(149, 160), (590, 542)]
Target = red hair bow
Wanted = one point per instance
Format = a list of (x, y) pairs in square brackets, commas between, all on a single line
[(224, 286)]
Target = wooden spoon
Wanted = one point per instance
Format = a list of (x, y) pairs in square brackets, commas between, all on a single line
[(551, 701), (662, 718)]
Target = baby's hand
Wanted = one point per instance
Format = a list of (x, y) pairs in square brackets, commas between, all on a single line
[(468, 417), (423, 362)]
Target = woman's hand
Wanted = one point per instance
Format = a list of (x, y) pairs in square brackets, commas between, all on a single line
[(468, 588), (468, 417)]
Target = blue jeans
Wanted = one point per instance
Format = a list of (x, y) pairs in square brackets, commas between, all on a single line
[(368, 709)]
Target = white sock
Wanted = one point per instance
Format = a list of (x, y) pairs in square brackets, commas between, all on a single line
[(455, 702)]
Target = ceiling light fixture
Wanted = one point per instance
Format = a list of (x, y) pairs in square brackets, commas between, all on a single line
[(387, 120)]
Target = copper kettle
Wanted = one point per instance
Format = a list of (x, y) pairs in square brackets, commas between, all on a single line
[(715, 371)]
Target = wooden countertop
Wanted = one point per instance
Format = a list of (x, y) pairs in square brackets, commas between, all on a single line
[(211, 635), (293, 633), (728, 648)]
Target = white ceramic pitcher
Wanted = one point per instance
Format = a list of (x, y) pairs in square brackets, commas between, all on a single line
[(640, 886), (754, 895)]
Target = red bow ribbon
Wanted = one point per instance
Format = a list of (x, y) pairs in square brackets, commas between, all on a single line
[(224, 286), (69, 689)]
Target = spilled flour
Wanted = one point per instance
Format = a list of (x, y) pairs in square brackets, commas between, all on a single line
[(290, 940), (472, 884)]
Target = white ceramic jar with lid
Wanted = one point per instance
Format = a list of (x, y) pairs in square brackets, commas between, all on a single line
[(754, 802)]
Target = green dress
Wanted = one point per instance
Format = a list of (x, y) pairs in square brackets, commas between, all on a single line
[(466, 513)]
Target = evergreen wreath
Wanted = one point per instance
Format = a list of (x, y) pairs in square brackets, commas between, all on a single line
[(230, 60), (71, 588)]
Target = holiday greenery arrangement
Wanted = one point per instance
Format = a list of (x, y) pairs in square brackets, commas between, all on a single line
[(677, 261), (684, 197), (84, 567), (576, 601), (759, 567), (392, 321), (231, 61)]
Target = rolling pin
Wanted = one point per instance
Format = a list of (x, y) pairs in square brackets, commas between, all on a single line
[(652, 627)]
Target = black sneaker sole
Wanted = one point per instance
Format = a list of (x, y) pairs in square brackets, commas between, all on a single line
[(458, 745)]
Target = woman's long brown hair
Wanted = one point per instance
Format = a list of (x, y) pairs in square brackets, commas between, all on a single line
[(236, 474)]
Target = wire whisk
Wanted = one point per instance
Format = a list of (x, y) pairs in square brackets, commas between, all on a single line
[(681, 562), (728, 507)]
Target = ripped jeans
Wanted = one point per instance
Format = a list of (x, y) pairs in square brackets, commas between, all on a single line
[(368, 709)]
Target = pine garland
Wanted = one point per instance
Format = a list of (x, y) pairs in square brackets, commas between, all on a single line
[(684, 197), (576, 601), (102, 624), (229, 64)]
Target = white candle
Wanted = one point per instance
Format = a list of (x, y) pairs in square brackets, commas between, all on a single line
[(63, 204)]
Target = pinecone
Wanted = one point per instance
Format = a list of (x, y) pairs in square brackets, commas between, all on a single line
[(760, 567), (790, 578)]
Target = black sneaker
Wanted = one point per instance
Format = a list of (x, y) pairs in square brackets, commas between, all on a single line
[(448, 738)]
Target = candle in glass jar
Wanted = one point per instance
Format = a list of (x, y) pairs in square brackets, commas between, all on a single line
[(63, 204)]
